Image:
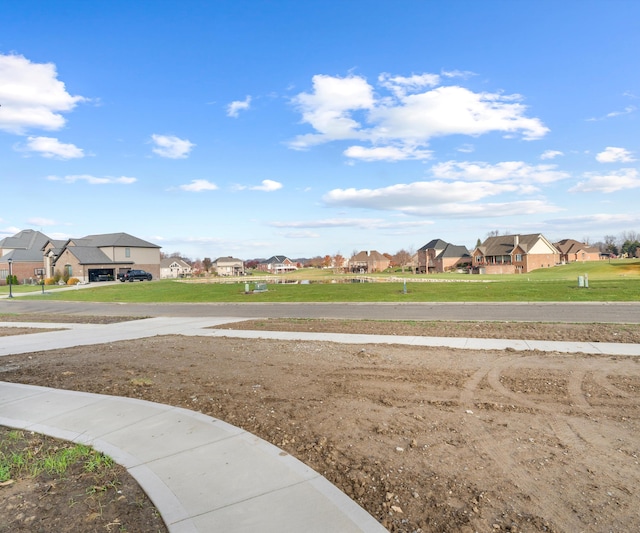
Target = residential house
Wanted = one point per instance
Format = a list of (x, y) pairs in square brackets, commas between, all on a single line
[(101, 257), (174, 267), (453, 257), (428, 253), (514, 254), (368, 262), (228, 266), (277, 264), (25, 251), (572, 251), (440, 256)]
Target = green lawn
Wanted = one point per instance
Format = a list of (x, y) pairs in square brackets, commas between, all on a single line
[(615, 281)]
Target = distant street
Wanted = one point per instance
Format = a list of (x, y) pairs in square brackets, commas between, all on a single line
[(522, 312)]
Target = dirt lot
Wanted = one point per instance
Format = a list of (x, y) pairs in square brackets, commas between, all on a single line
[(425, 439)]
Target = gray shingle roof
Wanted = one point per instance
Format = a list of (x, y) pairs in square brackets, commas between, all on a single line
[(504, 244), (453, 250), (114, 239), (435, 244), (26, 245), (89, 255)]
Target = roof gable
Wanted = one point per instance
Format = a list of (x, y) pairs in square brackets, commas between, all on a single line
[(169, 262), (435, 244), (25, 245), (505, 244), (277, 259), (453, 250), (89, 255)]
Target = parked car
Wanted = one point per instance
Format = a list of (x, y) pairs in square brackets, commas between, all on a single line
[(133, 275)]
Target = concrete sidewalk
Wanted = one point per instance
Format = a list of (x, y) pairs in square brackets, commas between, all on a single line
[(203, 474), (86, 334)]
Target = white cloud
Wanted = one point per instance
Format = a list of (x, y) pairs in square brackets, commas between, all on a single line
[(41, 222), (401, 85), (625, 178), (612, 154), (458, 74), (52, 148), (351, 223), (551, 154), (171, 147), (328, 109), (506, 171), (32, 96), (301, 235), (421, 195), (386, 153), (199, 186), (415, 111), (438, 198), (93, 180), (627, 110), (267, 186), (234, 108), (597, 220)]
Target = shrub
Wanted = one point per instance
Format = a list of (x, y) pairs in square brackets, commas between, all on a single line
[(57, 276), (13, 280), (73, 281), (50, 281)]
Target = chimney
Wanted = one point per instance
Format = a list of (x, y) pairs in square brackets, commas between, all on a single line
[(516, 240)]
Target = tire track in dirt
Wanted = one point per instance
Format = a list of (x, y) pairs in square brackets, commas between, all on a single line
[(544, 505), (602, 379), (558, 425)]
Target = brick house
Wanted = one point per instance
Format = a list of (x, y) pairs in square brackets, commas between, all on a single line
[(368, 262), (440, 256), (572, 251), (514, 254), (25, 251)]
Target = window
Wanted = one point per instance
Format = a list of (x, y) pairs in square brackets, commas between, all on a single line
[(127, 252), (68, 270), (518, 257)]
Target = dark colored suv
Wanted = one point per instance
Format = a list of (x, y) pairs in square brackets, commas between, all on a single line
[(134, 275)]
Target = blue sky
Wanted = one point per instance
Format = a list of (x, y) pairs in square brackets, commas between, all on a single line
[(304, 128)]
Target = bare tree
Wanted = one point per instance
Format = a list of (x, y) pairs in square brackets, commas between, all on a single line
[(402, 258), (610, 243), (338, 262)]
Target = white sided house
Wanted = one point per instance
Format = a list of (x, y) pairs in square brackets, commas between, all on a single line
[(174, 267), (228, 266)]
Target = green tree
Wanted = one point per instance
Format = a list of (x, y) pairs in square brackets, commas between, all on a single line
[(630, 247)]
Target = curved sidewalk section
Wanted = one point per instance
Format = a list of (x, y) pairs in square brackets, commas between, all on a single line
[(202, 474)]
